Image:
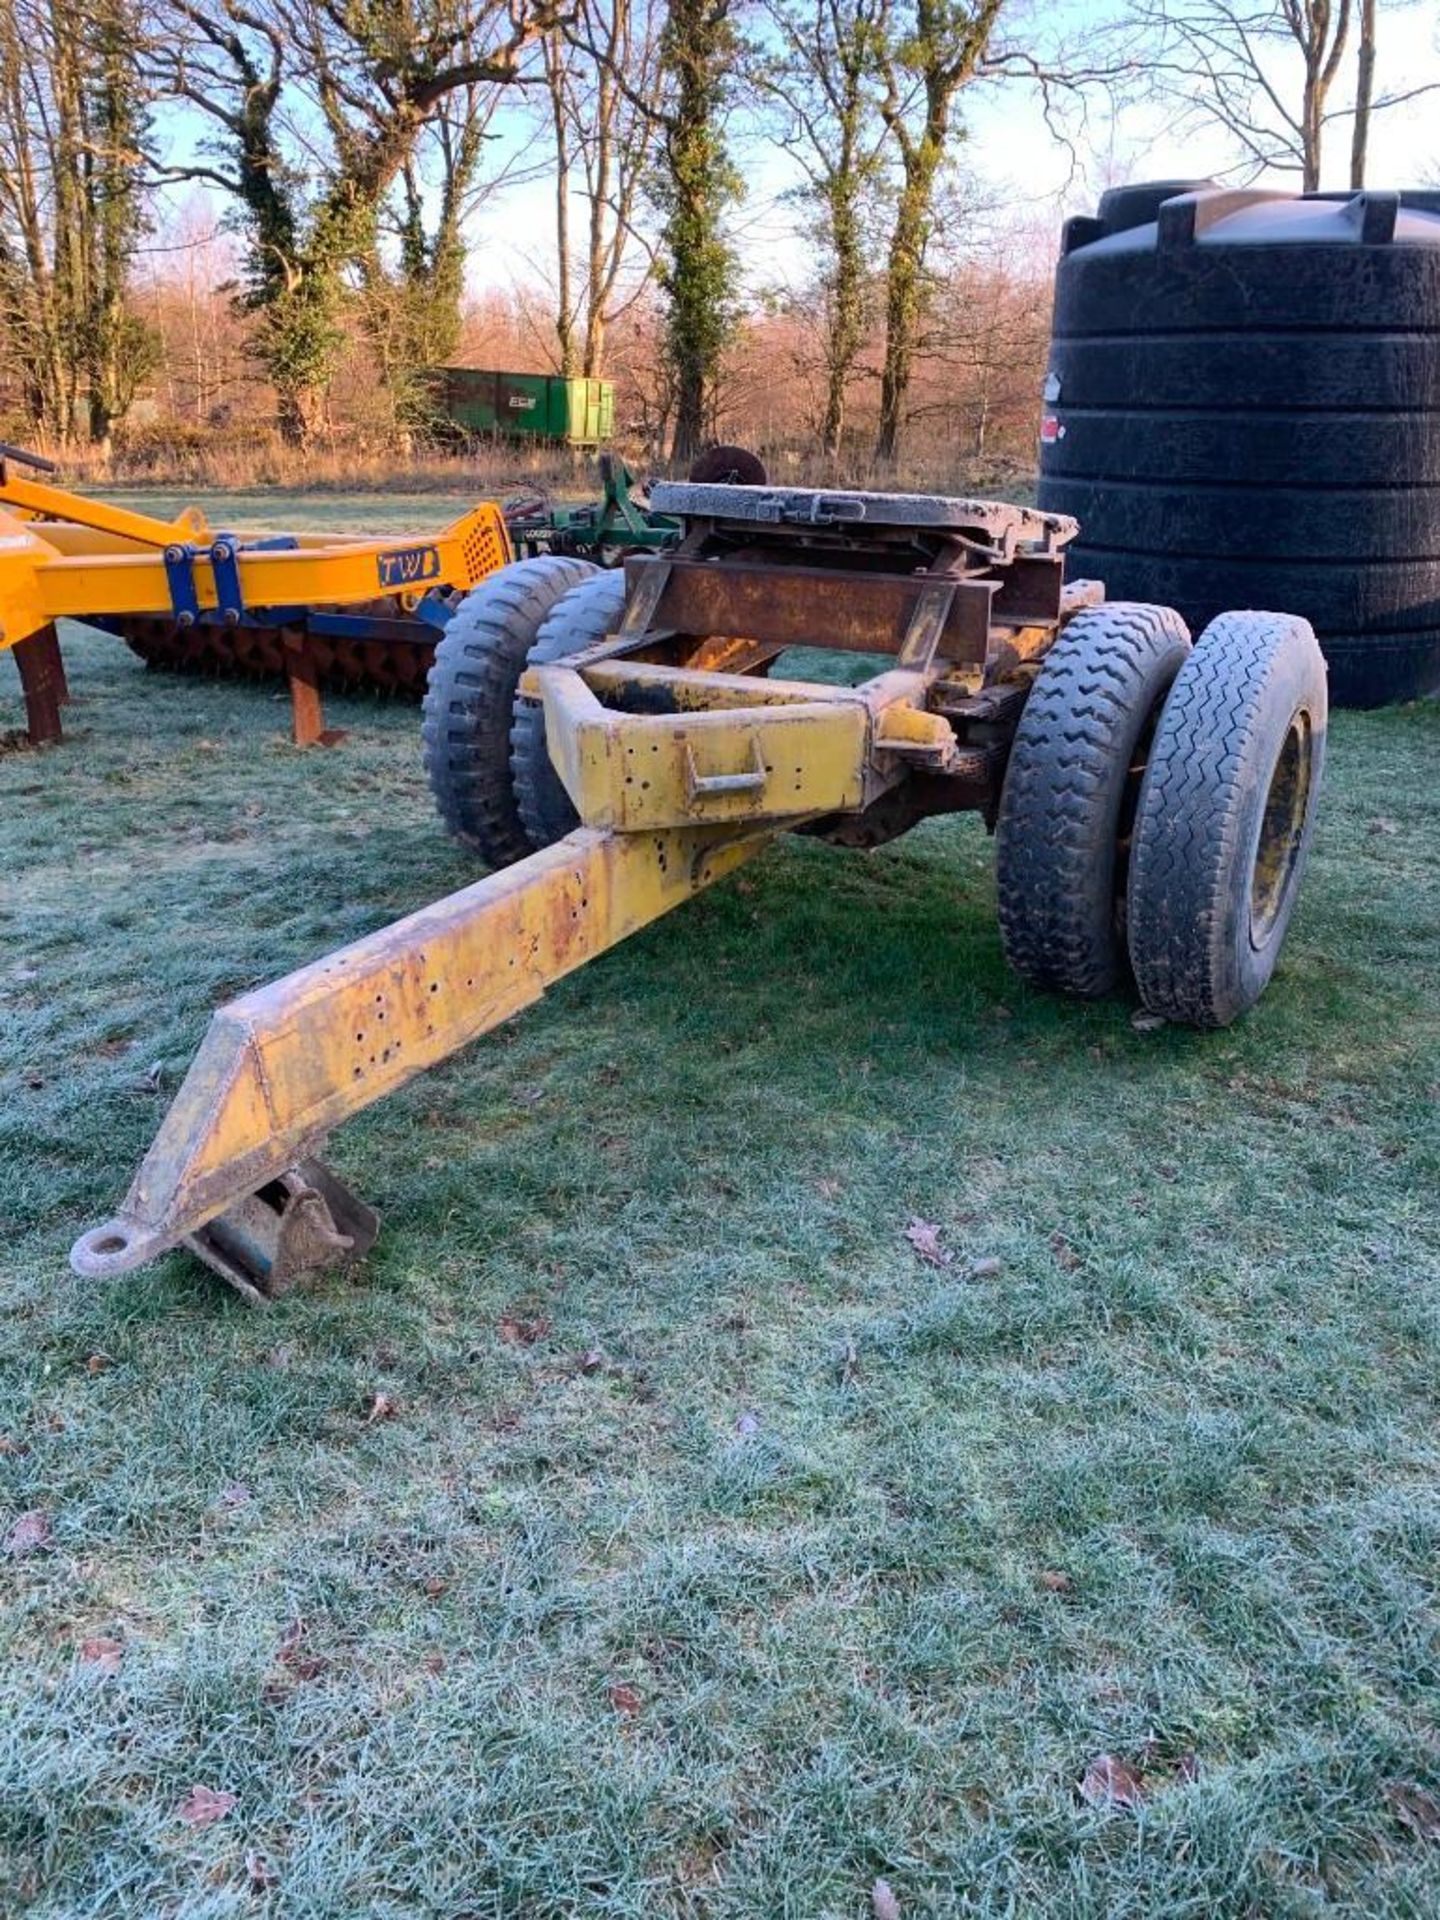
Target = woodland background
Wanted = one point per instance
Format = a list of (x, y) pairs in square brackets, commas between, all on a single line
[(235, 233)]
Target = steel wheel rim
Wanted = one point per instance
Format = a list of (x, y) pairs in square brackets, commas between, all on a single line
[(1282, 828)]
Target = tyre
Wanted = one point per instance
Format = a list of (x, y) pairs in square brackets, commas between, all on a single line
[(1378, 669), (725, 465), (586, 615), (1062, 835), (1225, 817), (470, 696)]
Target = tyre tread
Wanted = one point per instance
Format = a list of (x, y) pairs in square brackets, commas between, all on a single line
[(1060, 803)]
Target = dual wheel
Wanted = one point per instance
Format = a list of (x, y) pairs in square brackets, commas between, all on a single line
[(1158, 807), (485, 749)]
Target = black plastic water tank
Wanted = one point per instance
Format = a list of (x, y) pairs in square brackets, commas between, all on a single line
[(1243, 410)]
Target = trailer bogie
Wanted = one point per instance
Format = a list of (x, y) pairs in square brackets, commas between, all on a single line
[(1154, 805)]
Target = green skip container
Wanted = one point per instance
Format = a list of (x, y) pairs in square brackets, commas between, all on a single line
[(526, 406)]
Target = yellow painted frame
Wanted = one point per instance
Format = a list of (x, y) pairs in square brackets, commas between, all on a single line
[(66, 557)]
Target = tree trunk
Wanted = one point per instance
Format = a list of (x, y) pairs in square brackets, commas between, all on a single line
[(699, 274), (689, 438), (298, 415), (557, 80), (1312, 134), (904, 297), (1364, 94), (847, 318)]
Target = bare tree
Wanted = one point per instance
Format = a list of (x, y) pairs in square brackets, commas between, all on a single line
[(936, 48), (72, 126), (826, 77), (602, 85), (1263, 70), (1364, 94)]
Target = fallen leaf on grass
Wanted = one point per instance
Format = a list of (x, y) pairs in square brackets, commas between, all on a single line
[(152, 1080), (103, 1652), (259, 1872), (293, 1656), (625, 1699), (592, 1360), (1064, 1253), (1419, 1810), (1145, 1022), (30, 1533), (827, 1189), (747, 1424), (924, 1237), (98, 1362), (848, 1370), (1109, 1782), (203, 1806), (522, 1331), (883, 1903), (236, 1495), (434, 1663), (1382, 825), (382, 1407), (435, 1586), (987, 1268), (1053, 1580)]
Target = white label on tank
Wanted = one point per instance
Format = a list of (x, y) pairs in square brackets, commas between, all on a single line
[(1052, 388)]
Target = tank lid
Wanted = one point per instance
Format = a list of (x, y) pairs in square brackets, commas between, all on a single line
[(1121, 208), (1250, 216)]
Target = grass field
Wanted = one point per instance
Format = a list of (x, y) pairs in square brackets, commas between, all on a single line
[(648, 1529)]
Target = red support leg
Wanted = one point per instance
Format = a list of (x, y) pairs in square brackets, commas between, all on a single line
[(306, 708), (42, 677)]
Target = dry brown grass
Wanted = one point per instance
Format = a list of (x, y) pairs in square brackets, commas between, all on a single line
[(259, 461)]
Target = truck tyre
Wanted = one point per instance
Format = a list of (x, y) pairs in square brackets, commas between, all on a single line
[(1062, 837), (586, 615), (470, 696), (1226, 815)]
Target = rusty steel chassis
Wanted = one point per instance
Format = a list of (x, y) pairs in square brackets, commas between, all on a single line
[(684, 759)]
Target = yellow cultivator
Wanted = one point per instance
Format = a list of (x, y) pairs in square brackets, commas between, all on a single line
[(613, 743), (65, 557)]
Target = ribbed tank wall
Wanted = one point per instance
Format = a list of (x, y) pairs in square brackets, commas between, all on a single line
[(1243, 410)]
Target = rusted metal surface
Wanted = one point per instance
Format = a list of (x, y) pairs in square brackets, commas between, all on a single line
[(42, 680), (307, 709), (842, 609), (1029, 591), (392, 658), (1004, 527), (264, 1243), (772, 759)]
